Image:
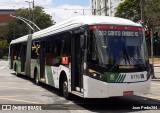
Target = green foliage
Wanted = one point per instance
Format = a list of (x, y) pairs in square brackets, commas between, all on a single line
[(152, 9), (5, 58), (3, 44), (129, 9), (152, 16), (18, 28)]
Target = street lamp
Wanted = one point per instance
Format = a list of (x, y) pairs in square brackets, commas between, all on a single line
[(77, 9), (78, 12)]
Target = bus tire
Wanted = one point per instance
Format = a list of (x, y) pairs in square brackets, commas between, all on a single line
[(36, 81), (65, 92)]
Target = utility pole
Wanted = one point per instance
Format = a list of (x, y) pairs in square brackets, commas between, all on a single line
[(109, 7), (105, 4), (83, 11), (29, 14), (142, 2), (33, 14), (152, 68), (14, 35)]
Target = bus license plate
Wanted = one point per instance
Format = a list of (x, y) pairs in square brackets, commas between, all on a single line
[(127, 93)]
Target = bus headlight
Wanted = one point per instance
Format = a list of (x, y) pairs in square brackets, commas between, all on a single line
[(97, 76)]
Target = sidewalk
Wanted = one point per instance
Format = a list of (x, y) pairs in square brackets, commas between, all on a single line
[(157, 64), (157, 70)]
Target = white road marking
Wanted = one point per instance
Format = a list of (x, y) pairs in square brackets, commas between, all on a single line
[(155, 84), (25, 101), (3, 67), (8, 87)]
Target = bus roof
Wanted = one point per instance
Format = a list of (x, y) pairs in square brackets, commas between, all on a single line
[(76, 22), (21, 39)]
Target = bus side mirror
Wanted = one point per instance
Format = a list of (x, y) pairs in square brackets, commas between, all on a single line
[(82, 42)]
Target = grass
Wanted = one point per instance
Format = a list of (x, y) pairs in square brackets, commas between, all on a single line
[(5, 58)]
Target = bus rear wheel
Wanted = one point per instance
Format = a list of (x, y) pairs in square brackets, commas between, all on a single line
[(36, 78), (16, 70)]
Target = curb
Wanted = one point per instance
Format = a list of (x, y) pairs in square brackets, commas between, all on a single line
[(155, 79)]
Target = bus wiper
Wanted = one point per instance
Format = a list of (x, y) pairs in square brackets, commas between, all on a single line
[(126, 54), (125, 57), (136, 62), (117, 63)]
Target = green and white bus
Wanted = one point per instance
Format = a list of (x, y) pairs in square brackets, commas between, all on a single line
[(89, 56)]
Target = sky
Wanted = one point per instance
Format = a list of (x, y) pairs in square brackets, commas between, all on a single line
[(60, 10)]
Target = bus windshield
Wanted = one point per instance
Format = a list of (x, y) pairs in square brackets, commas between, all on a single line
[(125, 49)]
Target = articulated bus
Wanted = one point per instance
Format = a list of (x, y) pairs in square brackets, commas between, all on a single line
[(88, 56)]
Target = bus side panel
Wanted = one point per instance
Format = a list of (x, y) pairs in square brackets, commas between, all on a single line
[(28, 56), (34, 65), (68, 75), (94, 88), (49, 75), (52, 75), (17, 65)]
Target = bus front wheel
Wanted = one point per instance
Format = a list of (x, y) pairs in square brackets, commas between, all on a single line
[(66, 94)]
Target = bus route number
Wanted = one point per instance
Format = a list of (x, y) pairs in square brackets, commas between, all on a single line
[(118, 33)]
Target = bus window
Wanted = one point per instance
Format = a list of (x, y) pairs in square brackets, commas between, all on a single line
[(65, 48), (51, 52), (57, 48), (93, 52), (35, 50), (16, 49)]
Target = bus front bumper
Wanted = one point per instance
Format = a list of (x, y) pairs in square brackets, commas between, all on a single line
[(97, 89)]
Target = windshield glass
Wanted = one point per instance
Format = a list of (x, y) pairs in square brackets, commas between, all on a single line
[(122, 48)]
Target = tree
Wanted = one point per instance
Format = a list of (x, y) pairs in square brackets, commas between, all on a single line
[(3, 46), (129, 9), (152, 8), (18, 28)]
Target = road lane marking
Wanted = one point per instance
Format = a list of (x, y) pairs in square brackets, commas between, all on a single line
[(17, 100), (155, 88), (16, 96), (8, 87), (15, 83), (155, 84), (3, 67)]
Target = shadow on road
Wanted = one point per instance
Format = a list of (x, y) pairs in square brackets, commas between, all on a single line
[(110, 104)]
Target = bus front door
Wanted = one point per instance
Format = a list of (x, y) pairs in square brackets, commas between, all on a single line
[(76, 54)]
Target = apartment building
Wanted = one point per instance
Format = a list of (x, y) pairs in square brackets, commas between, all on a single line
[(5, 18), (104, 7)]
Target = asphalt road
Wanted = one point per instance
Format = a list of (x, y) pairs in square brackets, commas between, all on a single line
[(21, 91)]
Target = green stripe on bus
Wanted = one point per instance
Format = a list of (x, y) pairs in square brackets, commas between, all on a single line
[(121, 78), (115, 77), (124, 76), (49, 75), (118, 78)]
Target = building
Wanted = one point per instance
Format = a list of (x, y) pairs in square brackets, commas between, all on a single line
[(5, 18), (104, 7)]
